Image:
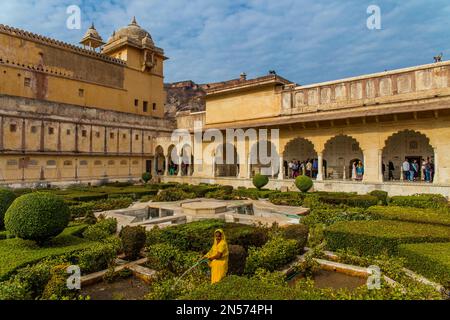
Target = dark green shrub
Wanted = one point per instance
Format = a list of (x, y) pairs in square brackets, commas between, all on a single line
[(37, 216), (164, 256), (431, 216), (6, 199), (146, 177), (378, 236), (381, 195), (277, 252), (133, 240), (297, 232), (101, 230), (294, 199), (430, 259), (173, 194), (236, 259), (98, 257), (304, 183), (220, 195), (260, 181), (420, 201), (245, 236)]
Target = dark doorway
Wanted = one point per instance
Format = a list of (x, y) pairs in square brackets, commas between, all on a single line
[(148, 166)]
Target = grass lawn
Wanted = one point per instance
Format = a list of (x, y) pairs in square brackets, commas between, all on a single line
[(16, 253)]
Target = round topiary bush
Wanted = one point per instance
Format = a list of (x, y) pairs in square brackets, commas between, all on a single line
[(37, 216), (236, 259), (133, 240), (6, 198), (260, 181), (303, 183)]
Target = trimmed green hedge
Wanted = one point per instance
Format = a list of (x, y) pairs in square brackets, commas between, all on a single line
[(198, 236), (260, 181), (276, 253), (410, 214), (374, 237), (429, 259), (381, 195), (349, 199), (420, 201), (17, 253), (291, 198)]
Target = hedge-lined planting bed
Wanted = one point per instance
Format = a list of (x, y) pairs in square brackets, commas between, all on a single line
[(411, 214), (420, 201), (430, 259), (16, 253), (374, 237), (198, 236), (349, 199)]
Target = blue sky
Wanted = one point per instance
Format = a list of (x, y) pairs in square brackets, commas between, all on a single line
[(305, 41)]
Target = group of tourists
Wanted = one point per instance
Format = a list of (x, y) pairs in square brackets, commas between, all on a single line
[(412, 170), (309, 167), (357, 171)]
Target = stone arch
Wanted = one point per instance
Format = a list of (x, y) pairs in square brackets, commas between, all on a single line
[(187, 160), (406, 144), (226, 159), (340, 152), (257, 165), (300, 150)]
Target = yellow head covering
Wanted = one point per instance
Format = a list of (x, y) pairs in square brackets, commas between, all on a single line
[(224, 239)]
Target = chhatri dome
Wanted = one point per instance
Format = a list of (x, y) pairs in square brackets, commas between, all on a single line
[(92, 38), (132, 33)]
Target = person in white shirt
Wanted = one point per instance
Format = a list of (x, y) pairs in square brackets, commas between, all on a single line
[(406, 166)]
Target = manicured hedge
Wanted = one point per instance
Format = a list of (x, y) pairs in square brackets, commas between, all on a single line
[(260, 181), (420, 201), (198, 236), (431, 216), (17, 253), (276, 253), (291, 198), (349, 199), (429, 259), (374, 237), (381, 195)]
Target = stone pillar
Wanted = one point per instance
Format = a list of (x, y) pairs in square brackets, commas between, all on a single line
[(166, 169), (213, 174), (401, 171), (344, 174), (281, 172), (436, 167), (320, 166), (180, 162), (380, 169), (372, 165), (249, 168)]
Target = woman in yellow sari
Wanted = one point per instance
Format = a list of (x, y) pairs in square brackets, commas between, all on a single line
[(218, 257)]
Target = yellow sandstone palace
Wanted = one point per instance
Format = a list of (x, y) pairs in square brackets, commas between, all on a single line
[(72, 115)]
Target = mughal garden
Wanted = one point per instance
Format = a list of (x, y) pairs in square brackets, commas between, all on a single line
[(126, 250)]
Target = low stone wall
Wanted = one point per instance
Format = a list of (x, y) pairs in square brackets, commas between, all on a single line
[(393, 188)]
